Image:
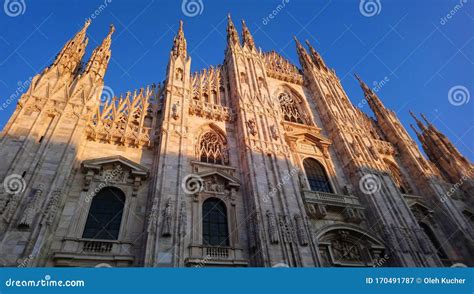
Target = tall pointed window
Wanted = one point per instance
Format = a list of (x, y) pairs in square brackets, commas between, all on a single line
[(212, 148), (316, 175), (214, 223), (291, 109), (105, 215)]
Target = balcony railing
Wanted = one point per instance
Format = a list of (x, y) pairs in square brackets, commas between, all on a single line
[(330, 199), (204, 255), (217, 252), (89, 252), (97, 246)]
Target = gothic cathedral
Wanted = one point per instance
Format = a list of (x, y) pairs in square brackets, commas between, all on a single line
[(252, 163)]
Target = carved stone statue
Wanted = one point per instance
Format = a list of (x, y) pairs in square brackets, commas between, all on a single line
[(252, 125), (166, 222), (272, 229), (273, 132), (175, 110)]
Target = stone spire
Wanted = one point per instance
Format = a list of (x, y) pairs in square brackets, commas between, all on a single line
[(100, 56), (418, 122), (69, 58), (232, 35), (416, 131), (442, 152), (303, 56), (374, 102), (179, 43), (317, 59), (247, 39)]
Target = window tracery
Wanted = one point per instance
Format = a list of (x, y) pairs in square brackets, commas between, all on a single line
[(291, 109), (212, 149)]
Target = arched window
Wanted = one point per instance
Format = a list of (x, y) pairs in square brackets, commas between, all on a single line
[(105, 215), (291, 109), (212, 148), (317, 178), (214, 223)]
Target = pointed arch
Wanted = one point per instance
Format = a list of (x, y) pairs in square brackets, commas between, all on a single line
[(212, 146), (292, 105)]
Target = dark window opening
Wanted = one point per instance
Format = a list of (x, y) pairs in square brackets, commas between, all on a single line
[(316, 175), (214, 223), (105, 215)]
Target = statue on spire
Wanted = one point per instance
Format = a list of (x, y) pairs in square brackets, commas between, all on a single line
[(179, 43)]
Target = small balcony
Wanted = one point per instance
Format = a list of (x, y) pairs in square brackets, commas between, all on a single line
[(90, 252), (215, 256), (318, 203), (325, 198)]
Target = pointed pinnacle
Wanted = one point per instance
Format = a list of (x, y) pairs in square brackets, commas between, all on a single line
[(414, 129), (298, 44), (418, 122), (358, 78), (111, 29), (425, 119), (87, 23)]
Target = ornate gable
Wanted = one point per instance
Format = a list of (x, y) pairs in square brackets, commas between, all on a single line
[(114, 170), (306, 139)]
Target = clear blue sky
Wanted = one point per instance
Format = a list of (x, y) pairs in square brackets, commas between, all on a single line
[(406, 43)]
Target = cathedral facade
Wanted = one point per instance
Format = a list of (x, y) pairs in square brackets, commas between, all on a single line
[(254, 162)]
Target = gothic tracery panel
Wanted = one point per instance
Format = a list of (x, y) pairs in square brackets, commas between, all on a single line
[(212, 148), (292, 110)]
